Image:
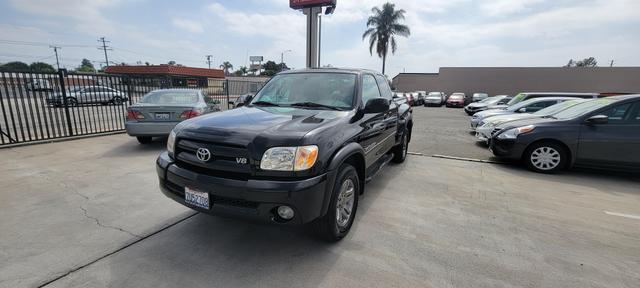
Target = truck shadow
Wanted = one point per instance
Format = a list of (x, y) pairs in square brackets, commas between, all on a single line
[(133, 148)]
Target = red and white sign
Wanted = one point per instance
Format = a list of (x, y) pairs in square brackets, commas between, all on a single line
[(299, 4)]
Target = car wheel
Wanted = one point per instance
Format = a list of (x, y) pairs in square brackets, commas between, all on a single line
[(334, 225), (144, 139), (72, 102), (400, 151), (116, 101), (546, 157)]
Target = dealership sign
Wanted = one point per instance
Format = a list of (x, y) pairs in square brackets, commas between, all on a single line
[(299, 4)]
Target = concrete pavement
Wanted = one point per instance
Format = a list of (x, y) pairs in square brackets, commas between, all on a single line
[(420, 224)]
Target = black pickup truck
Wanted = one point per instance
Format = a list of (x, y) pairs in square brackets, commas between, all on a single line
[(298, 152)]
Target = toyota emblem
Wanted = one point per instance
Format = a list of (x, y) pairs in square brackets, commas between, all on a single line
[(203, 154)]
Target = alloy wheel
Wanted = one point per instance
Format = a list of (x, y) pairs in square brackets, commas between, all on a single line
[(545, 158), (344, 205)]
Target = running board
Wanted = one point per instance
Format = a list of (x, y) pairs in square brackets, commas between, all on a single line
[(382, 162)]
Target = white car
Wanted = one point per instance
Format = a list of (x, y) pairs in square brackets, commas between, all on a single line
[(435, 99), (479, 97)]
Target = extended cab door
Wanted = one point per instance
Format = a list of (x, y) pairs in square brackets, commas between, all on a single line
[(614, 143), (377, 135)]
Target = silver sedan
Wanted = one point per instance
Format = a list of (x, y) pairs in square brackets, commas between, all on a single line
[(159, 111)]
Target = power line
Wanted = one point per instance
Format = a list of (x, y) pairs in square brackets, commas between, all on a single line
[(55, 50), (104, 48)]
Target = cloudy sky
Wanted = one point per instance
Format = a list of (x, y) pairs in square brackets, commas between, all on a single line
[(444, 32)]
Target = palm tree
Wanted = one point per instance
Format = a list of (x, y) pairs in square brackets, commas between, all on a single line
[(226, 66), (244, 70), (383, 25)]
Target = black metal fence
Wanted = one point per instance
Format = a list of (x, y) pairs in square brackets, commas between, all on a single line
[(44, 106)]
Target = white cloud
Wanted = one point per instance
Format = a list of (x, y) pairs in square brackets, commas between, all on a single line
[(506, 7), (189, 25)]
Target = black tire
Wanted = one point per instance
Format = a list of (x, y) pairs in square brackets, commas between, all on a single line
[(327, 227), (546, 157), (400, 151), (72, 102), (116, 101), (144, 139)]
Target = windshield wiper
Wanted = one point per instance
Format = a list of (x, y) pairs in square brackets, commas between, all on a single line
[(315, 105), (265, 103)]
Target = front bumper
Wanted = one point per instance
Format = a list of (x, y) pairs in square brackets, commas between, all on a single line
[(157, 129), (455, 104), (432, 101), (249, 199), (475, 123), (511, 149)]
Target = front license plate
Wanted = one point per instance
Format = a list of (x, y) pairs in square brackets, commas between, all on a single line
[(196, 198), (163, 116)]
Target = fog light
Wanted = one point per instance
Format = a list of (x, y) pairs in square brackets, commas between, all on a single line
[(285, 212)]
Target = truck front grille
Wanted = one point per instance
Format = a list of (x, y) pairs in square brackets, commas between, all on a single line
[(227, 161)]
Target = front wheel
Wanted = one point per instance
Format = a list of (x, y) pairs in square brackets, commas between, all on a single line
[(116, 101), (546, 157), (400, 151), (334, 225)]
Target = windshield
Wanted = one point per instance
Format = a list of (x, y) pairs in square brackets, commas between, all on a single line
[(522, 104), (168, 97), (491, 100), (516, 99), (327, 89), (553, 109), (436, 94), (455, 97), (582, 108)]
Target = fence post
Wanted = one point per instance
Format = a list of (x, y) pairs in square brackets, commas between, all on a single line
[(227, 88), (61, 75), (129, 94)]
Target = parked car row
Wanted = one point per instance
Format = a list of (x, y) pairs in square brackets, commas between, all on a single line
[(88, 95), (549, 132)]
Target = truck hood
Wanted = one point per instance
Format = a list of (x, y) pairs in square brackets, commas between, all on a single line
[(245, 125)]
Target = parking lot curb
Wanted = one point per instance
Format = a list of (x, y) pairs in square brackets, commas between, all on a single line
[(467, 159)]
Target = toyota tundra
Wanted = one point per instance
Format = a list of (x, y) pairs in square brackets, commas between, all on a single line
[(299, 152)]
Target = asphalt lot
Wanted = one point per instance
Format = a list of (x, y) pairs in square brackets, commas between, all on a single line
[(445, 131), (88, 213)]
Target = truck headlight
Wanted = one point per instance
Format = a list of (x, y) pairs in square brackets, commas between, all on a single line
[(171, 142), (513, 133), (289, 158)]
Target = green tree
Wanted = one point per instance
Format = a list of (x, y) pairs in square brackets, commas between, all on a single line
[(272, 68), (15, 66), (226, 66), (86, 66), (243, 70), (383, 26), (586, 62), (41, 67)]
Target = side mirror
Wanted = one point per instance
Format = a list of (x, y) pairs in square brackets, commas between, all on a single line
[(248, 99), (522, 110), (598, 119), (376, 105)]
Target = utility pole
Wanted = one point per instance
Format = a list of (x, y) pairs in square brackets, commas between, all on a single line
[(104, 48), (209, 60), (282, 55), (612, 61), (55, 50)]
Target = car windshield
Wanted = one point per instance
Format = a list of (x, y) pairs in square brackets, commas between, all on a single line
[(582, 108), (169, 97), (522, 104), (490, 100), (335, 90), (517, 99), (455, 97), (553, 109), (437, 94)]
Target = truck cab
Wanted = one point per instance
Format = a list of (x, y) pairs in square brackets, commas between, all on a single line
[(300, 151)]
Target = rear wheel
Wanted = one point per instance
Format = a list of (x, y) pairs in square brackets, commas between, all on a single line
[(334, 225), (400, 151), (144, 139), (546, 157), (116, 101), (72, 101)]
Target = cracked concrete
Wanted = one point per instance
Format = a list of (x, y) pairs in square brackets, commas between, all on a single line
[(63, 205)]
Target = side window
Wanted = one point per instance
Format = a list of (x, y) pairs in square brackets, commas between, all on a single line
[(385, 90), (504, 101), (534, 107), (369, 88), (617, 113), (636, 117)]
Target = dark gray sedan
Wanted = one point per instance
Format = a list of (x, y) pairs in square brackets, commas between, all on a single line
[(601, 132), (159, 111)]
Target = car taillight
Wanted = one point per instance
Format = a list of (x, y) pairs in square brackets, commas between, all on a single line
[(188, 114), (134, 115)]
